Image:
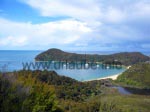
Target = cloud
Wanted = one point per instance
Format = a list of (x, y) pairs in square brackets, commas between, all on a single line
[(88, 11), (13, 41), (142, 8), (91, 25), (62, 32)]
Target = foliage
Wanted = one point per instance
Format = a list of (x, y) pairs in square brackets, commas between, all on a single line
[(25, 96), (136, 76), (45, 91), (109, 103), (126, 58), (65, 87)]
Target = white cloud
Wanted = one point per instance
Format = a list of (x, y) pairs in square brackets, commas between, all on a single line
[(93, 12), (142, 8), (60, 32), (13, 41), (87, 11), (114, 15), (81, 44), (93, 23)]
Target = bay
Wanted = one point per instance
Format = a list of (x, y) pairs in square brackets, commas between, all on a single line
[(11, 60)]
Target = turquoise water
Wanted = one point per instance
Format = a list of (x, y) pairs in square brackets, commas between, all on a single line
[(12, 60)]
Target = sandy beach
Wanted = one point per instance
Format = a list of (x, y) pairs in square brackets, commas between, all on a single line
[(113, 77)]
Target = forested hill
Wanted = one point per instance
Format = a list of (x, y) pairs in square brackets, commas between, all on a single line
[(46, 91), (136, 76), (127, 58)]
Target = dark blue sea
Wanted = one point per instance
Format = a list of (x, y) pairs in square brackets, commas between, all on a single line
[(11, 60)]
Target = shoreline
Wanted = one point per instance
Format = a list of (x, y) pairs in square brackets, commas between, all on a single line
[(113, 77)]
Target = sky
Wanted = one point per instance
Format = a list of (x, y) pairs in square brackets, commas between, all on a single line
[(77, 25)]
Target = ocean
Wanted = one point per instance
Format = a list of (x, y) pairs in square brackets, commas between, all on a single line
[(11, 60)]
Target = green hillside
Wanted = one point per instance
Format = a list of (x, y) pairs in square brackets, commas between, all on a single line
[(136, 76), (46, 91), (126, 58)]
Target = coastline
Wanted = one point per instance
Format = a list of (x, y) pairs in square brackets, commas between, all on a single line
[(113, 77)]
